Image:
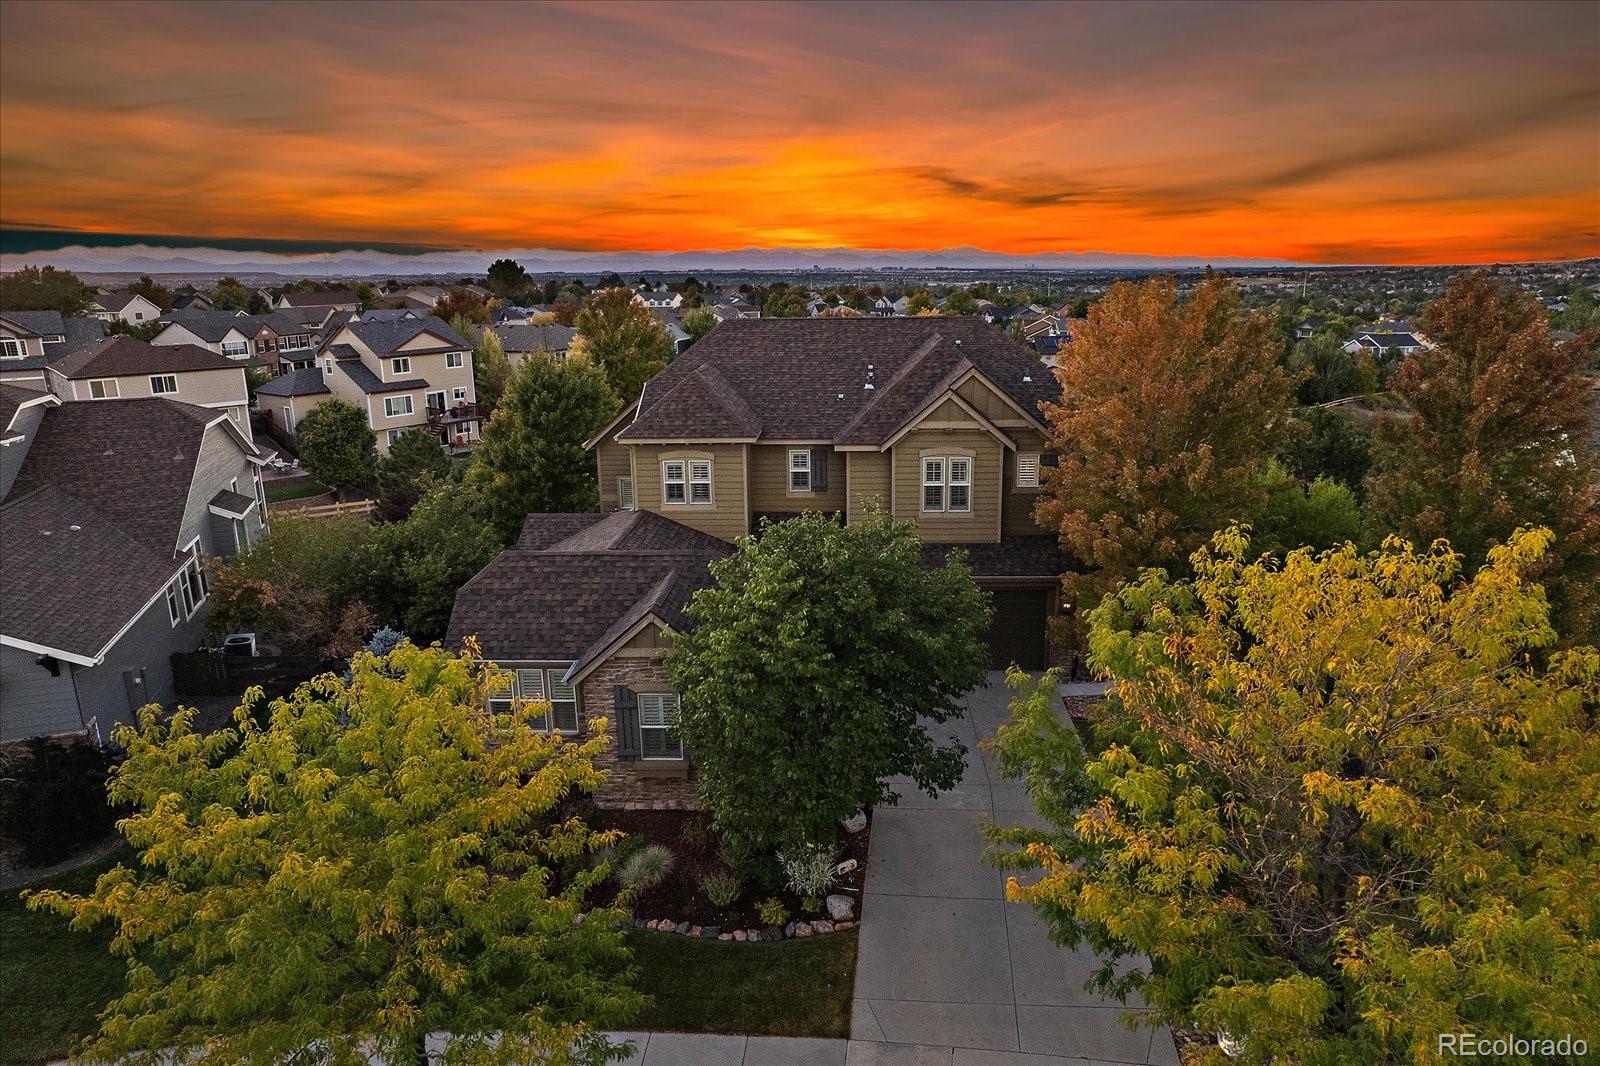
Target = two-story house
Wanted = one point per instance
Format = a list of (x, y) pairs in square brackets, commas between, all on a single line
[(936, 420), (32, 340), (663, 298), (405, 373), (124, 368), (129, 307), (278, 340), (108, 513)]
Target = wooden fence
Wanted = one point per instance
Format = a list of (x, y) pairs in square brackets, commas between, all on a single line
[(326, 510)]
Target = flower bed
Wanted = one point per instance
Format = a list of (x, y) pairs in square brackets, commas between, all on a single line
[(762, 906)]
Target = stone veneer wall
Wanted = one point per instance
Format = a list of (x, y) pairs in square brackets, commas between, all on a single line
[(634, 784)]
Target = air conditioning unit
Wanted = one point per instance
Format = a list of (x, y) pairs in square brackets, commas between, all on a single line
[(240, 644)]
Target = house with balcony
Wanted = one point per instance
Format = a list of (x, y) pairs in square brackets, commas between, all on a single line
[(405, 373), (280, 341), (32, 340), (109, 512), (124, 368), (936, 420)]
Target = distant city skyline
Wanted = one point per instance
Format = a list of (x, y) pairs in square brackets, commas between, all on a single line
[(1307, 134)]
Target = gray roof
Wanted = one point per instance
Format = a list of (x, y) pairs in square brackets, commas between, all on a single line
[(235, 503), (307, 381), (575, 583), (370, 383), (77, 330), (120, 355), (114, 301), (81, 577), (324, 298), (211, 325), (12, 397), (542, 337), (804, 378), (38, 323), (385, 338)]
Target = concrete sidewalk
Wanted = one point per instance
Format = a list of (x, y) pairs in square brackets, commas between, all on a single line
[(950, 973)]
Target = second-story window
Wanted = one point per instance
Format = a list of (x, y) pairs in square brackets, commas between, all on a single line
[(933, 484), (960, 483), (700, 481), (1027, 470), (673, 482), (454, 360), (397, 406), (236, 349), (400, 366), (799, 470), (162, 384), (12, 348), (104, 389), (625, 493)]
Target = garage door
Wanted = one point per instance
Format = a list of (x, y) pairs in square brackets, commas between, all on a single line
[(1017, 633)]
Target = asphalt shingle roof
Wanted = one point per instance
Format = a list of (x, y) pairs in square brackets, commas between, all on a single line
[(307, 381), (324, 298), (12, 397), (536, 338), (120, 355), (370, 383), (78, 331), (803, 379), (385, 338), (38, 323)]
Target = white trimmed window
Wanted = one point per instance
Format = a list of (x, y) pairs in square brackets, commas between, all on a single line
[(625, 493), (933, 484), (458, 394), (1027, 470), (658, 726), (799, 470), (194, 587), (700, 481), (236, 349), (12, 348), (960, 483), (397, 406), (530, 688), (674, 487), (401, 365), (455, 360), (104, 389), (501, 693), (174, 605), (434, 400), (394, 435), (161, 384), (563, 704)]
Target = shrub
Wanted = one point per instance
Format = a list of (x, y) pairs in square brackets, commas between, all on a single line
[(53, 800), (695, 835), (808, 870), (645, 868), (772, 911), (721, 888), (385, 640)]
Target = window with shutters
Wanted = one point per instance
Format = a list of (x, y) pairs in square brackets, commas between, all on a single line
[(563, 703), (799, 470), (625, 493), (674, 484), (933, 484), (502, 692), (1027, 470), (530, 689), (658, 726), (700, 481), (960, 483)]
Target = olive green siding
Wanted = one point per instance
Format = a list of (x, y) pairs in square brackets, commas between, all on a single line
[(867, 478), (1018, 517), (614, 461), (728, 514), (769, 481), (982, 523)]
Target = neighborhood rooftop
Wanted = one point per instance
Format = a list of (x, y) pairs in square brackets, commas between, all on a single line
[(116, 356)]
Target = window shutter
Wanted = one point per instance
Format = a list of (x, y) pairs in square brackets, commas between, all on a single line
[(626, 702), (819, 470)]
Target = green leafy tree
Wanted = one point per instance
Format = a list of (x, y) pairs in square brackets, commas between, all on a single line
[(1340, 804), (960, 302), (461, 302), (1328, 444), (784, 301), (230, 294), (376, 861), (623, 339), (336, 445), (1499, 437), (812, 658), (367, 297), (415, 463), (1327, 372), (409, 572), (490, 368), (44, 289), (920, 303), (1168, 412), (144, 331), (508, 279), (532, 456), (1296, 514), (159, 295), (699, 321)]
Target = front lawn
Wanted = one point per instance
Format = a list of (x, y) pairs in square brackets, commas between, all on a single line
[(53, 981), (786, 988), (293, 489)]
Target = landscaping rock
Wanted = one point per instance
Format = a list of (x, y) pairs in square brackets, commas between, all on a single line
[(710, 932), (724, 936), (802, 929), (772, 932), (841, 907), (856, 822), (694, 930), (821, 926), (788, 930), (839, 927), (682, 928), (738, 934)]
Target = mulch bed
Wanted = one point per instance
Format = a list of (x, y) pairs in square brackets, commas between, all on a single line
[(698, 853)]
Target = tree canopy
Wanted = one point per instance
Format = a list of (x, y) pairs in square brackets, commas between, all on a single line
[(462, 302), (44, 289), (811, 659), (1498, 438), (376, 860), (1169, 410), (623, 339), (532, 456), (699, 321), (415, 462), (1345, 803), (336, 444), (508, 279)]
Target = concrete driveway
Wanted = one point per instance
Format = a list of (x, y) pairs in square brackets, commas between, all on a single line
[(948, 971)]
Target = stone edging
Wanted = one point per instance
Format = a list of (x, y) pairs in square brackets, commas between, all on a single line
[(793, 930)]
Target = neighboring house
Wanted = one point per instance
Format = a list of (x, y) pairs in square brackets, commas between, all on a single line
[(32, 340), (127, 306), (279, 341), (1305, 330), (671, 319), (663, 298), (406, 374), (423, 296), (520, 342), (1377, 343), (338, 299), (198, 301), (108, 513), (123, 368), (735, 307), (934, 419), (286, 398), (900, 305)]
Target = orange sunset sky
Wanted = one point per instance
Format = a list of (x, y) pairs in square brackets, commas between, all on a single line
[(1317, 133)]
